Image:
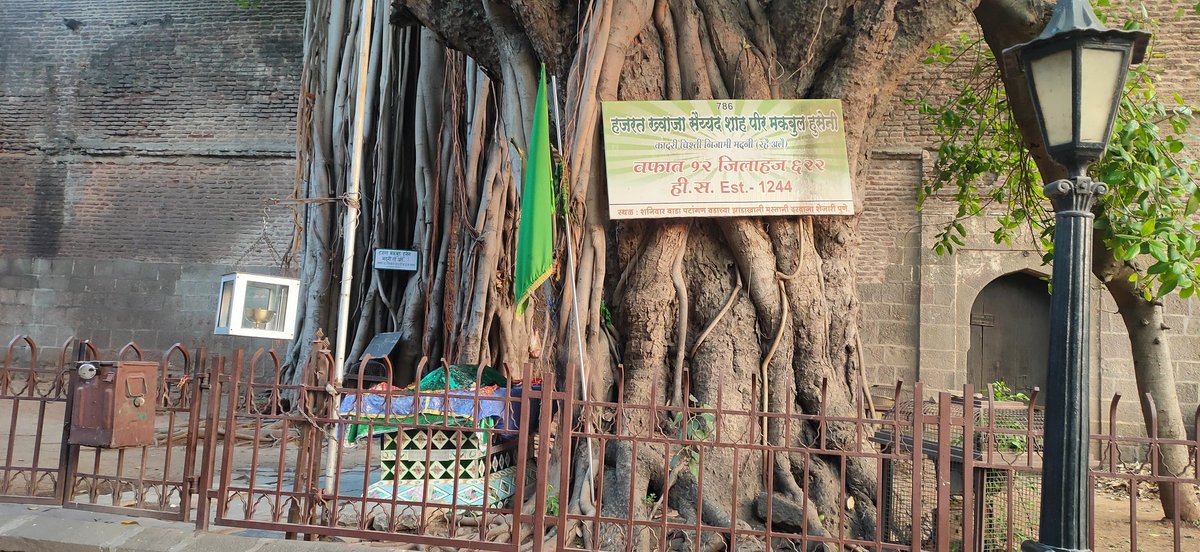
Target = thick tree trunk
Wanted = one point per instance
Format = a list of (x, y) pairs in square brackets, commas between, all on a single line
[(775, 299), (1155, 374)]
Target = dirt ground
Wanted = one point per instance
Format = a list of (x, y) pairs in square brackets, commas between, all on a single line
[(1114, 532)]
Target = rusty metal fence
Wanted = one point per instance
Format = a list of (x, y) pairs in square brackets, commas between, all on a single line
[(34, 393), (151, 481), (40, 466), (242, 444)]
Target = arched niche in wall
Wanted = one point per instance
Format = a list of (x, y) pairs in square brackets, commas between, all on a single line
[(1010, 333)]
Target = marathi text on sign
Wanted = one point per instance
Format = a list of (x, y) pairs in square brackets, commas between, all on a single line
[(726, 158)]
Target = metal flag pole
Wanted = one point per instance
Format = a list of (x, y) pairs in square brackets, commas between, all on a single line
[(572, 276), (350, 225)]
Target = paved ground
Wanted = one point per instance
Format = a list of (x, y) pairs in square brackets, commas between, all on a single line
[(48, 529)]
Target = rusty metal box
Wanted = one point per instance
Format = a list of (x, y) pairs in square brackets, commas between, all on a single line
[(113, 404)]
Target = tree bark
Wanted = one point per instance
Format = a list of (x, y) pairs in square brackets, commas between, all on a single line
[(1155, 375)]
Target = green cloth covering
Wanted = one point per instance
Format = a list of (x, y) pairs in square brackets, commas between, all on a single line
[(462, 376), (535, 232), (368, 421)]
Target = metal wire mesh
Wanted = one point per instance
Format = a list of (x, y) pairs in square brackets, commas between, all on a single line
[(898, 501), (1008, 498), (1005, 433)]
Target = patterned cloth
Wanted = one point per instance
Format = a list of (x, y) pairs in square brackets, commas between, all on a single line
[(383, 408), (430, 446)]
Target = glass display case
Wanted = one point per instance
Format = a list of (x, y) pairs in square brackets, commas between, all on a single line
[(254, 305)]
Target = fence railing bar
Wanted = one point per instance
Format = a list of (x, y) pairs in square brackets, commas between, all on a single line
[(918, 466), (211, 422), (969, 508), (943, 472)]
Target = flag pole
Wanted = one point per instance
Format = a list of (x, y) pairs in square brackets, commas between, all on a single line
[(572, 277)]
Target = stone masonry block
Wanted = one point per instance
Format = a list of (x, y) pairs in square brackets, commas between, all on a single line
[(937, 360), (932, 294), (937, 315), (938, 338)]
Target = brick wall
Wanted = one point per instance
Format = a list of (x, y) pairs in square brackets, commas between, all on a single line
[(887, 266), (140, 143)]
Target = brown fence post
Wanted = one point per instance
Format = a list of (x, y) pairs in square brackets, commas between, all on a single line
[(968, 468), (68, 457), (918, 464), (522, 459), (944, 471), (566, 432), (230, 439), (194, 374), (543, 461), (210, 380)]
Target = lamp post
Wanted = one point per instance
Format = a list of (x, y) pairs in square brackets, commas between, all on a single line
[(1075, 71)]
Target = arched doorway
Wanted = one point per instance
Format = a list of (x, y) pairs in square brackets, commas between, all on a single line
[(1010, 333)]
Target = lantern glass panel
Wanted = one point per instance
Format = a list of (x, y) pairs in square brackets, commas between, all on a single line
[(1052, 80), (264, 305), (225, 307), (1102, 74)]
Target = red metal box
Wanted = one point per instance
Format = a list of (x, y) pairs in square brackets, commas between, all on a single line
[(113, 404)]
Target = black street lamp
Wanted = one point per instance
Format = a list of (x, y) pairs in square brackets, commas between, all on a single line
[(1076, 74)]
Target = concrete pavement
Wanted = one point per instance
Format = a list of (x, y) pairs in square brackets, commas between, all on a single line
[(25, 528)]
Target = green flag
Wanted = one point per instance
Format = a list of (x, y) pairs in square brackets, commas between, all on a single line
[(535, 237)]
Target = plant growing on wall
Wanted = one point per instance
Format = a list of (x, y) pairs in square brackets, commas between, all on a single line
[(1146, 226)]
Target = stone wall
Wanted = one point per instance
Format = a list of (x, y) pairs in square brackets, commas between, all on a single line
[(141, 144), (888, 264)]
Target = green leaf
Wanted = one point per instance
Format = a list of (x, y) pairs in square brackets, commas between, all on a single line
[(1148, 227), (1158, 251)]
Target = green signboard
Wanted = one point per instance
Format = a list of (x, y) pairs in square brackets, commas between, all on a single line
[(726, 158)]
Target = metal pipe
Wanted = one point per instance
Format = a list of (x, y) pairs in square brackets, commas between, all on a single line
[(572, 276), (350, 222)]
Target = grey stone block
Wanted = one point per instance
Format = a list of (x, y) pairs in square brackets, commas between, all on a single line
[(154, 538), (45, 298), (83, 268), (54, 281), (148, 271), (127, 270), (47, 533), (20, 267), (63, 267), (103, 269), (18, 281)]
